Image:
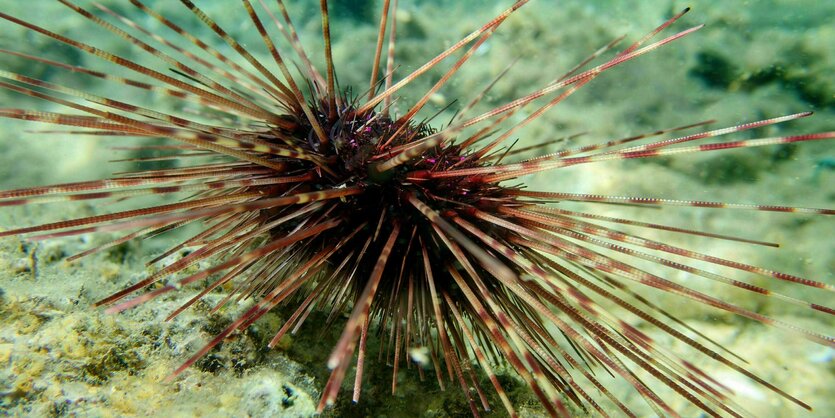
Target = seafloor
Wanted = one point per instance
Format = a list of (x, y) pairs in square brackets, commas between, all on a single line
[(61, 357)]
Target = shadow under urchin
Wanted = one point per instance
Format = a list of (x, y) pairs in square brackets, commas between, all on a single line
[(313, 198)]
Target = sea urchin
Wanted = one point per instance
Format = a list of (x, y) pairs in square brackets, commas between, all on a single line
[(318, 197)]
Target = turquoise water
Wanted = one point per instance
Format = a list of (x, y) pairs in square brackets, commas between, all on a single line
[(762, 60)]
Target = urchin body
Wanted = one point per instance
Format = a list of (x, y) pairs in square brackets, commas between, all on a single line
[(325, 201)]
